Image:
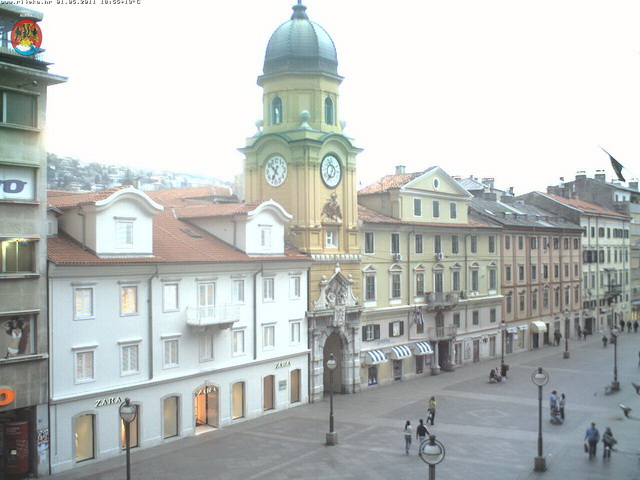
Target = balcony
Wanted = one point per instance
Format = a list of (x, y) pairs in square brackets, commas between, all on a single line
[(613, 289), (440, 300), (442, 333), (222, 317)]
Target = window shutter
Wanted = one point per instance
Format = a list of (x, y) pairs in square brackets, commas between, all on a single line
[(401, 328), (364, 332), (376, 332), (391, 329)]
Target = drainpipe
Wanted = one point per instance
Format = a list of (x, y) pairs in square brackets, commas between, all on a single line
[(150, 309), (255, 311), (51, 357), (466, 282)]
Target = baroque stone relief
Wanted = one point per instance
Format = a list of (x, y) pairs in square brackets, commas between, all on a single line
[(331, 211), (336, 293)]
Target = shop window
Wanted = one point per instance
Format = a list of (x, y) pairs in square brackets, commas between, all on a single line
[(84, 437), (134, 440), (372, 375), (268, 384), (170, 416), (237, 393), (128, 300), (18, 337), (17, 256), (18, 109), (296, 385), (521, 340), (419, 363)]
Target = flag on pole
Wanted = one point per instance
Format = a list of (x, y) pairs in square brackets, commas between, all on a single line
[(417, 316), (617, 166)]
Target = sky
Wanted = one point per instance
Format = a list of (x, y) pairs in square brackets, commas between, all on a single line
[(525, 92)]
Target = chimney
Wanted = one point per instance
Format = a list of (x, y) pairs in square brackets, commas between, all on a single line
[(633, 184), (580, 174), (600, 176), (400, 169), (489, 182), (511, 191)]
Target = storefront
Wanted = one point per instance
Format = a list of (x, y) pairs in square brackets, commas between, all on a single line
[(89, 428), (395, 363), (539, 334)]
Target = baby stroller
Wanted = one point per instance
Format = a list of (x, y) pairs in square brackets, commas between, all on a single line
[(555, 416)]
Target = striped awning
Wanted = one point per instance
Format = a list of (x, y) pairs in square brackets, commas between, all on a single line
[(375, 357), (400, 352), (538, 327), (424, 348)]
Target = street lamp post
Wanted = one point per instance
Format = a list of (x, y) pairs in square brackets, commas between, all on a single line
[(566, 334), (503, 329), (615, 385), (332, 364), (127, 414), (540, 378), (432, 453)]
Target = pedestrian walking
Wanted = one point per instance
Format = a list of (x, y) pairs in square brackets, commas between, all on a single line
[(604, 341), (622, 326), (407, 436), (579, 332), (561, 404), (556, 337), (503, 371), (432, 410), (629, 327), (592, 436), (584, 335), (609, 442), (553, 401), (559, 337), (635, 326), (421, 433)]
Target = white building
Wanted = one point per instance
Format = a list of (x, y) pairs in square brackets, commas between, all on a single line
[(196, 313)]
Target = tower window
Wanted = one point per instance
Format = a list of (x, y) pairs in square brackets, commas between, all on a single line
[(328, 111), (276, 111)]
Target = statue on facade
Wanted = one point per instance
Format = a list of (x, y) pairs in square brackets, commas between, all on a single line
[(331, 210)]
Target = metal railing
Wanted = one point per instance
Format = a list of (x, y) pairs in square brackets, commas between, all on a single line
[(442, 299), (442, 333)]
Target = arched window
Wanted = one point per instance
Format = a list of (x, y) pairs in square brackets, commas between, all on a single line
[(329, 116), (276, 111)]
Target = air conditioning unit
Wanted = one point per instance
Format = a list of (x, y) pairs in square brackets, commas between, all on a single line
[(439, 256), (463, 294), (398, 257)]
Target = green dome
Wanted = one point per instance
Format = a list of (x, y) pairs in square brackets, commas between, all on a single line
[(300, 46)]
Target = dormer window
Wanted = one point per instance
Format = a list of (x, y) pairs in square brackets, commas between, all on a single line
[(124, 233), (329, 116), (265, 236), (276, 111)]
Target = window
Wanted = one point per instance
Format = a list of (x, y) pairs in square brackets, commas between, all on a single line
[(545, 298), (508, 303), (576, 243), (83, 303), (593, 232), (396, 329), (128, 300), (206, 299), (456, 319), (276, 111), (566, 270), (267, 290), (493, 279), (238, 291), (556, 271), (265, 237), (238, 342), (493, 315), (17, 335), (420, 284), (370, 332), (545, 243), (437, 244), (545, 271), (556, 243), (576, 294), (395, 243), (171, 353), (18, 256), (395, 285), (124, 233), (474, 280), (507, 273), (370, 287), (417, 207), (170, 417), (565, 243), (295, 333), (18, 109), (521, 302), (474, 244), (492, 244), (556, 297), (534, 300), (170, 297), (295, 283), (567, 297), (520, 242), (454, 244), (453, 210), (84, 437), (521, 273), (475, 317), (206, 348), (84, 367), (534, 272), (237, 401), (418, 243), (533, 242), (438, 281), (331, 238), (436, 209), (608, 232), (129, 360), (268, 337), (455, 280), (329, 117), (368, 242), (507, 242)]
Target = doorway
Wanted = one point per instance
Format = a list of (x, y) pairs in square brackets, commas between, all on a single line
[(476, 351), (207, 409), (333, 345), (269, 392)]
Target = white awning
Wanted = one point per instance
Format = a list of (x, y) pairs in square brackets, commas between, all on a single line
[(512, 330), (523, 327), (423, 348), (400, 352), (538, 327), (375, 357)]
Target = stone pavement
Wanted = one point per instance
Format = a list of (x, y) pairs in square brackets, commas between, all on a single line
[(489, 430)]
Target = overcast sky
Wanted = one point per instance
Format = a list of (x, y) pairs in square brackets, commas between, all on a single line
[(521, 91)]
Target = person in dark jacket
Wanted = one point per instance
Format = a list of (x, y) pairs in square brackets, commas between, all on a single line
[(421, 433), (609, 442), (604, 341), (592, 436)]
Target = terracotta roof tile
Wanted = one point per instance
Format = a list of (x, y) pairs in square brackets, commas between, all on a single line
[(370, 216), (389, 182), (585, 207), (216, 210), (75, 199), (185, 196)]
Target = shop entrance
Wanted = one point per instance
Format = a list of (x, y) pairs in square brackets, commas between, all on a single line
[(476, 351), (207, 409), (443, 354), (333, 345)]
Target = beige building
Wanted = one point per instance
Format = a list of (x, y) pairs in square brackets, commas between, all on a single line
[(430, 278)]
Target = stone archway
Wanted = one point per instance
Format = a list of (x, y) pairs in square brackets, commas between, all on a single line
[(334, 345)]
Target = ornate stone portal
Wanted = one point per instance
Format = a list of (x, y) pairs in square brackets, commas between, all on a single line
[(336, 311)]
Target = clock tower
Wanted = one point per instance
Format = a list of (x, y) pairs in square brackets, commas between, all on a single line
[(301, 158)]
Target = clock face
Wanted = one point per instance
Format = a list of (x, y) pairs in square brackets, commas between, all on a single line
[(276, 171), (331, 171)]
